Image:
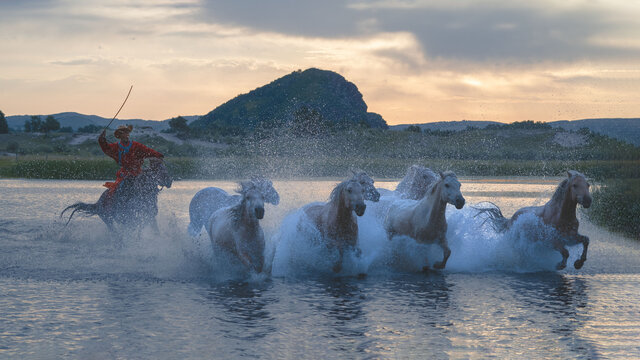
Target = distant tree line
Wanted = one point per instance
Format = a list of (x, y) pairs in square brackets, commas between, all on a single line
[(4, 126), (35, 124), (524, 125)]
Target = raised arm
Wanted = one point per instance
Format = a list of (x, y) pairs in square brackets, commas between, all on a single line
[(110, 150)]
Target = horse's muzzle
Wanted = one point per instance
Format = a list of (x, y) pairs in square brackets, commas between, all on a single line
[(460, 203), (586, 202), (259, 212), (360, 208)]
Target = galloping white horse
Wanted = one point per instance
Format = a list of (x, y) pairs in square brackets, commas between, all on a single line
[(369, 191), (415, 183), (335, 219), (206, 201), (424, 220), (559, 212), (237, 228)]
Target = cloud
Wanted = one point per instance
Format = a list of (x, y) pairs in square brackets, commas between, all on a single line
[(472, 31), (73, 62)]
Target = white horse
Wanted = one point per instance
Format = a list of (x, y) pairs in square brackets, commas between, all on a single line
[(413, 186), (237, 228), (559, 213), (424, 220), (415, 183), (206, 201), (369, 191)]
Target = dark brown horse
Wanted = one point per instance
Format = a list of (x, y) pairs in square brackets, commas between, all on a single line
[(335, 219), (135, 202), (559, 212)]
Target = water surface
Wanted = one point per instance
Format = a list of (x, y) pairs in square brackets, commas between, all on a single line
[(82, 292)]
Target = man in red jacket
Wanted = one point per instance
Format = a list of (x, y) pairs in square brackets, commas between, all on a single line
[(128, 154)]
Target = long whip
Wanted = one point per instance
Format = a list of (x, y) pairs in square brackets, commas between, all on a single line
[(121, 106)]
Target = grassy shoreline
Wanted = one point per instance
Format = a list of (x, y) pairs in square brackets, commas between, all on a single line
[(234, 167)]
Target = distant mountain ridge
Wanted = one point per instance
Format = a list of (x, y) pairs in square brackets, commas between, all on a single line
[(328, 93), (625, 129), (76, 121)]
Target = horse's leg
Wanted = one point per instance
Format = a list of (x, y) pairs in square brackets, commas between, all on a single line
[(446, 252), (154, 226), (557, 245), (337, 267), (585, 245)]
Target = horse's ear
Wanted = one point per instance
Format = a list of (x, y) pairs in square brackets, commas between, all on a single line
[(441, 174), (571, 173)]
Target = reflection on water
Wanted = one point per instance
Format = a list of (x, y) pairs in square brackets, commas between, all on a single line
[(71, 292)]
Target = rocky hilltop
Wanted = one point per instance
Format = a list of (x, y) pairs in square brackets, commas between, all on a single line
[(325, 93)]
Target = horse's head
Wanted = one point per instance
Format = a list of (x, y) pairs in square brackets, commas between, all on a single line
[(450, 191), (415, 184), (579, 188), (268, 191), (370, 191), (159, 173), (252, 199), (351, 196)]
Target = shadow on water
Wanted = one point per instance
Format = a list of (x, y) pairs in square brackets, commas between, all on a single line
[(340, 304), (558, 302), (385, 317), (245, 315)]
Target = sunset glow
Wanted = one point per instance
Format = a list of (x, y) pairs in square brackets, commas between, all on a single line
[(413, 61)]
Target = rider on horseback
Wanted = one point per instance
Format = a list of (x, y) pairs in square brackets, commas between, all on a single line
[(128, 154)]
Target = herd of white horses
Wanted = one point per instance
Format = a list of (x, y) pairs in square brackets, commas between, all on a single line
[(416, 209)]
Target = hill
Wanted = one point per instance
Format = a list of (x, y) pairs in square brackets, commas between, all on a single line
[(627, 130), (622, 129), (76, 121), (336, 100)]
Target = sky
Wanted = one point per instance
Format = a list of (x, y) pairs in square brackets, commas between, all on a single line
[(414, 61)]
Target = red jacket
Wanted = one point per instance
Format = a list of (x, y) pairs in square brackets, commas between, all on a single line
[(130, 158)]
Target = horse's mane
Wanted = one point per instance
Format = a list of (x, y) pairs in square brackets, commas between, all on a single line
[(335, 193), (441, 177), (244, 187), (261, 183), (561, 190)]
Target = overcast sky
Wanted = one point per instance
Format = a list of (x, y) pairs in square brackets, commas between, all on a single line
[(413, 61)]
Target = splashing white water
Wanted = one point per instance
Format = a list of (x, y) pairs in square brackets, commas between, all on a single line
[(297, 248)]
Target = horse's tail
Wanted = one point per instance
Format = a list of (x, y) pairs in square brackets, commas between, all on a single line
[(83, 208), (497, 221)]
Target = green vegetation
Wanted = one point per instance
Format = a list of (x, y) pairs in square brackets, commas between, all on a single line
[(617, 205), (275, 104), (4, 126), (179, 126)]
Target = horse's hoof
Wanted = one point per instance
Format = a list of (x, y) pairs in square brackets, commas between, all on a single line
[(337, 268), (362, 276), (578, 264), (425, 269), (560, 266), (439, 266)]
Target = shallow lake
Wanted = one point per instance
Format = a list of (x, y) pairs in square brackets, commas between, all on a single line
[(80, 292)]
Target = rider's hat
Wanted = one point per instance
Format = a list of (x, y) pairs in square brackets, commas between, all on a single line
[(122, 129)]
